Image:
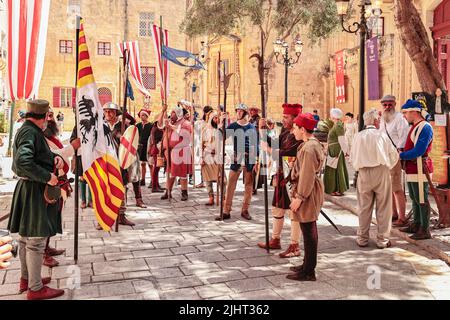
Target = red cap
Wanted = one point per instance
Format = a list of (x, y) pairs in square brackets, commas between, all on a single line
[(292, 109), (306, 120), (146, 111)]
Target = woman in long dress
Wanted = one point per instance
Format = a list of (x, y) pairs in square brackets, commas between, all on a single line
[(336, 175)]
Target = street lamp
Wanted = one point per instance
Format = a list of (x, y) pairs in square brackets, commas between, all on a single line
[(368, 9), (281, 51)]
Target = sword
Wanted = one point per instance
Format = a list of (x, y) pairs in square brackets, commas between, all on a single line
[(330, 221)]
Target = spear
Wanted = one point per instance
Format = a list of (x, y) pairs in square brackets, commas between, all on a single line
[(219, 62)]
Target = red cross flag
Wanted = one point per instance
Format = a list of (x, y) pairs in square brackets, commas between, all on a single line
[(128, 147)]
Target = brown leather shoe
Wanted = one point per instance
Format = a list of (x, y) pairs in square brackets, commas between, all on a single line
[(274, 244), (52, 252), (50, 262), (166, 196), (296, 269), (184, 195), (300, 276), (226, 216), (200, 186), (140, 204), (24, 284), (292, 251), (412, 228), (157, 190), (421, 234), (44, 294), (124, 221), (211, 201), (246, 215)]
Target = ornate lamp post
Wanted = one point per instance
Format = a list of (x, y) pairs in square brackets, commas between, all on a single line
[(368, 9), (281, 51)]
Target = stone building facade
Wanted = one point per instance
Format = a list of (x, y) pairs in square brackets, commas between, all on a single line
[(107, 23)]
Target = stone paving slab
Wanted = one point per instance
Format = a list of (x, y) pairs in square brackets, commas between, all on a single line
[(187, 255)]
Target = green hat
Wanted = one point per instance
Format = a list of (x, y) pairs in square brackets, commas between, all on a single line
[(38, 106)]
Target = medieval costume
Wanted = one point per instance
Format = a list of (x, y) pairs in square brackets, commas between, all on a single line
[(156, 156), (284, 151), (177, 146), (416, 163), (373, 156), (245, 155), (211, 149), (51, 134), (395, 126), (307, 195), (31, 216), (132, 174), (254, 120), (336, 175), (144, 134)]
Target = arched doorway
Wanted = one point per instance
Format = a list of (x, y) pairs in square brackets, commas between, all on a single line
[(105, 95)]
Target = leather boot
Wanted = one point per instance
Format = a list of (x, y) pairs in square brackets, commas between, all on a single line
[(184, 195), (412, 228), (44, 294), (274, 244), (24, 284), (421, 234), (124, 221), (211, 201)]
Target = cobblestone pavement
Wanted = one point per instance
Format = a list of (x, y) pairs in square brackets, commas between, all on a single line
[(178, 251)]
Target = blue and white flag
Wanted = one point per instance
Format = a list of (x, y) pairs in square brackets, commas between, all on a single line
[(173, 55)]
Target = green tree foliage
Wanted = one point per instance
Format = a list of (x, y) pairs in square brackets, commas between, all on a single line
[(286, 17)]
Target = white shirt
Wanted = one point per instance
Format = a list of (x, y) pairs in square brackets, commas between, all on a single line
[(372, 148), (398, 129)]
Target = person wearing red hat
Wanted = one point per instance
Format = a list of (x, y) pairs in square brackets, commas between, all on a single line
[(144, 128), (307, 195), (283, 150)]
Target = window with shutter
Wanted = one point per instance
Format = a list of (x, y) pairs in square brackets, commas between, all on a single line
[(56, 97)]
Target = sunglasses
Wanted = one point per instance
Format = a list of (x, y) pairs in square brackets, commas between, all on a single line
[(388, 104)]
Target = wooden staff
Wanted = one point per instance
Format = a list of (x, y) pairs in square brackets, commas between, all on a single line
[(77, 175), (219, 188)]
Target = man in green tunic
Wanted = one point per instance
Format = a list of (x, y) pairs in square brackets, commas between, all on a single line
[(336, 175), (30, 215)]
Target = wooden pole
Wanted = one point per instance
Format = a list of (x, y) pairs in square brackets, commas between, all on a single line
[(264, 155), (77, 174), (219, 188)]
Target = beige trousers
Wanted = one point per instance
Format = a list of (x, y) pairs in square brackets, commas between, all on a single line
[(374, 188), (278, 223), (232, 181)]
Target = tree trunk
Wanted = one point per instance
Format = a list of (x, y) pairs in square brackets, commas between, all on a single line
[(415, 40)]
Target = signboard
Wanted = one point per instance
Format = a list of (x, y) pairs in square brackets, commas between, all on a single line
[(373, 71), (340, 77), (440, 162)]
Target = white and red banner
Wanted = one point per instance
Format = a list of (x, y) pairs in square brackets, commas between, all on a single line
[(135, 64), (27, 40), (340, 77), (162, 63)]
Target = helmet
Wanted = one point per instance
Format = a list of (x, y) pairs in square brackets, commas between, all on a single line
[(112, 106), (242, 106)]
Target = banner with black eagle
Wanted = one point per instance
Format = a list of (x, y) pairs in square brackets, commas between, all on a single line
[(98, 155)]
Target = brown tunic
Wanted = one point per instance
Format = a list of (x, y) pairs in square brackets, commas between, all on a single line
[(307, 186)]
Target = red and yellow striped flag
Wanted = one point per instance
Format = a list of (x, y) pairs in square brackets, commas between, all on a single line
[(98, 155)]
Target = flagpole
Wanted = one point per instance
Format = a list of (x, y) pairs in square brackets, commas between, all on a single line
[(264, 153), (77, 174), (164, 102), (219, 188)]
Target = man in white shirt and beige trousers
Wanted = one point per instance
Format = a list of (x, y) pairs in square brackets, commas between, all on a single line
[(373, 155)]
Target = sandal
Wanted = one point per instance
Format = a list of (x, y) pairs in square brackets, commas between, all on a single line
[(400, 223)]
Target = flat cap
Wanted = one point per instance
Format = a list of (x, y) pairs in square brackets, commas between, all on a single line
[(38, 106)]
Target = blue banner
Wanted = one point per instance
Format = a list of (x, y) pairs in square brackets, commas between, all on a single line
[(173, 55)]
